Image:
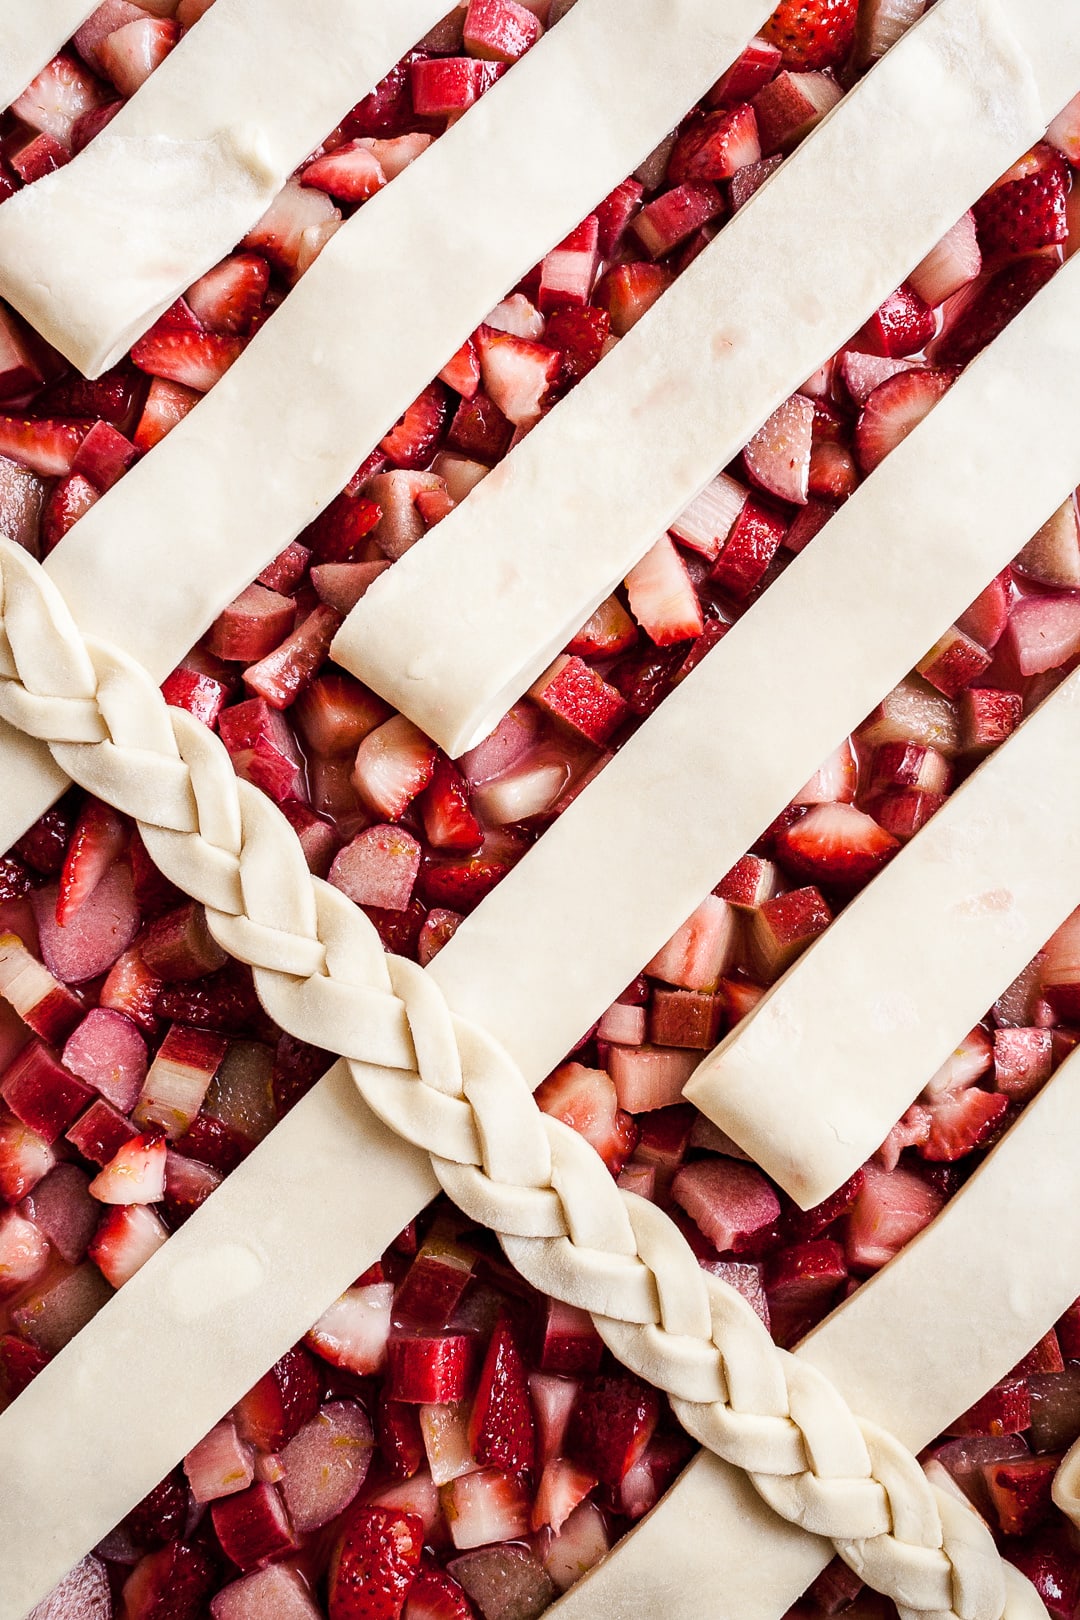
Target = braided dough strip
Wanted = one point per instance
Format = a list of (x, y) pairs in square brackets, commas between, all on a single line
[(464, 623), (449, 1088), (190, 163), (812, 1081), (31, 33)]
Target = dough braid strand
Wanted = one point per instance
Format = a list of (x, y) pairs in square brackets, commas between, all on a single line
[(445, 1085)]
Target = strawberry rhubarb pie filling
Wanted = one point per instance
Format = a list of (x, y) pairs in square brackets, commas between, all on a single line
[(447, 1443)]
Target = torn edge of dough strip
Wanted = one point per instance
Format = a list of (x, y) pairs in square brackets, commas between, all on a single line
[(239, 1283), (474, 612), (812, 1081), (31, 33), (272, 1261), (911, 1350), (265, 451), (190, 164), (690, 791)]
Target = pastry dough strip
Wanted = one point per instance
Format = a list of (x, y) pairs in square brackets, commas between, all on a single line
[(31, 33), (157, 559), (190, 163), (689, 793), (463, 624), (958, 1308), (813, 1080)]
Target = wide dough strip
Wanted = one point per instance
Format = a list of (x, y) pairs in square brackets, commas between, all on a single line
[(812, 1081), (690, 792), (386, 304), (958, 1308), (462, 625), (31, 33), (190, 163)]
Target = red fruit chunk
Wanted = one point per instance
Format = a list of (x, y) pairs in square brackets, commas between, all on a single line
[(1044, 1357), (488, 1505), (954, 662), (576, 695), (960, 1122), (134, 1175), (72, 497), (351, 173), (161, 1515), (567, 1340), (397, 1433), (517, 374), (462, 371), (97, 841), (509, 1583), (40, 155), (429, 1369), (42, 1093), (130, 54), (1024, 214), (281, 1402), (393, 764), (374, 1564), (662, 597), (262, 748), (728, 1200), (287, 569), (449, 822), (790, 106), (325, 1464), (284, 673), (179, 350), (902, 325), (353, 1333), (628, 291), (99, 1134), (1055, 1409), (104, 456), (90, 940), (378, 868), (179, 945), (991, 306), (335, 713), (716, 147), (479, 428), (173, 1584), (580, 335), (337, 534), (412, 442), (1006, 1409), (178, 1080), (443, 86), (587, 1101), (835, 843), (435, 1281), (836, 1588), (895, 409), (252, 1527), (891, 1207), (611, 1424), (24, 1252), (251, 626), (167, 403), (20, 371), (812, 33), (435, 1595), (783, 927), (687, 1018), (501, 1428), (229, 297), (1049, 1561), (61, 1208), (43, 445), (1023, 1061), (83, 1594), (802, 1284), (499, 31), (675, 215), (20, 1364), (1044, 632), (778, 456), (751, 881), (125, 1241), (45, 1005)]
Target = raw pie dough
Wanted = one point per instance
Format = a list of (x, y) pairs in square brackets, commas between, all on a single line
[(811, 1083), (31, 33), (190, 164), (463, 624), (264, 452), (629, 860)]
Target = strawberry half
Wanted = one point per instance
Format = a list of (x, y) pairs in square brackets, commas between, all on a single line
[(95, 844), (961, 1121), (179, 349), (1027, 210), (449, 822), (501, 1428), (812, 34), (411, 442), (835, 843), (374, 1564)]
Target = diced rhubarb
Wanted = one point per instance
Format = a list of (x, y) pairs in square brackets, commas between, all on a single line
[(728, 1200), (569, 270), (675, 215), (700, 952), (689, 1018), (950, 266), (435, 1281), (445, 1433), (914, 712), (252, 1527), (126, 1238), (20, 369), (802, 1284), (43, 1094), (790, 105), (963, 1067), (778, 456), (326, 1463), (612, 1423), (429, 1368), (48, 1007), (251, 626), (263, 748), (378, 868), (648, 1077), (178, 945), (782, 928), (178, 1080), (278, 1591), (99, 1134), (178, 1578), (61, 1208)]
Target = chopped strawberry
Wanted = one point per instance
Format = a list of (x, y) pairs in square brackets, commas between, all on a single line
[(574, 694), (435, 1595), (394, 763), (611, 1425), (960, 1122), (130, 54), (462, 371), (1005, 1409), (351, 173), (46, 445), (71, 498), (279, 1405), (662, 597), (517, 373), (608, 632), (890, 1208), (902, 325), (628, 291), (167, 403), (778, 456), (178, 1580), (500, 30), (178, 349), (716, 147), (98, 840), (412, 442), (753, 542), (802, 1284), (337, 533), (835, 843), (812, 33), (993, 303), (501, 1429), (895, 409), (443, 87), (587, 1101), (125, 1240), (374, 1564), (294, 229), (1026, 210), (674, 216), (449, 822), (54, 102), (136, 1175), (228, 298)]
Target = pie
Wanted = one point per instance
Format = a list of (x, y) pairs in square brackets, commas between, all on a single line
[(369, 763)]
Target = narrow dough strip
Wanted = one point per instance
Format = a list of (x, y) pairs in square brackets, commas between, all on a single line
[(191, 162), (629, 860), (31, 33), (811, 1083), (155, 561), (912, 1349), (458, 629)]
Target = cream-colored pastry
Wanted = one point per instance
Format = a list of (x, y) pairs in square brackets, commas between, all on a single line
[(190, 163), (32, 31), (813, 1080), (464, 623)]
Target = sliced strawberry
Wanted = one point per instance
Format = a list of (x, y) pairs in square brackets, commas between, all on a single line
[(167, 403), (46, 445), (662, 597), (281, 1402), (675, 215), (611, 1425), (628, 291), (790, 107), (812, 33), (228, 298), (1027, 210), (351, 173), (394, 763), (178, 349), (960, 1122), (992, 305), (754, 540), (608, 632), (125, 1240), (54, 102), (130, 54), (136, 1175), (580, 335), (445, 86), (902, 325), (835, 843), (517, 373), (462, 371), (501, 1428), (71, 498), (294, 229), (895, 409), (716, 147), (449, 822), (435, 1595), (778, 456), (587, 1101), (462, 883), (97, 841), (412, 442)]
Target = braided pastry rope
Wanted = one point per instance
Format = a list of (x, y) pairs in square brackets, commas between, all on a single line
[(446, 1086)]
